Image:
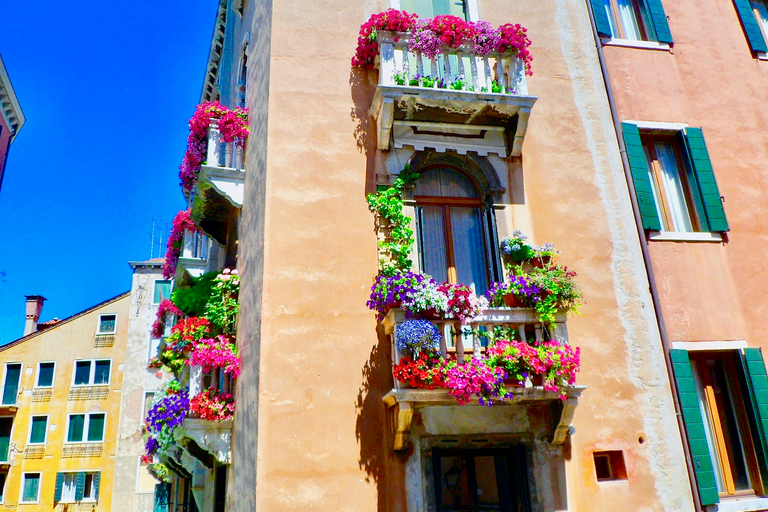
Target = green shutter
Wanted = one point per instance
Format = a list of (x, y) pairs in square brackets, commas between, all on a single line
[(39, 426), (694, 426), (602, 23), (659, 19), (162, 497), (59, 486), (96, 482), (76, 426), (705, 180), (80, 486), (96, 427), (757, 398), (751, 28), (638, 165)]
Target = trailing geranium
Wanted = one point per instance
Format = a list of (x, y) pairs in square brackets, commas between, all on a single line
[(559, 364), (462, 302), (212, 406), (218, 352), (514, 38), (519, 359), (475, 378), (233, 127), (181, 222), (424, 371), (180, 343), (367, 47), (165, 307)]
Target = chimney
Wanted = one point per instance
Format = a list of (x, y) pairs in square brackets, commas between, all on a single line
[(34, 308)]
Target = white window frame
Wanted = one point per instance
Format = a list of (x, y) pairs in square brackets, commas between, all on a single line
[(86, 426), (470, 7), (92, 373), (144, 403), (98, 326), (2, 495), (67, 499), (39, 487), (154, 290), (150, 355), (37, 375), (18, 386), (29, 433), (73, 474)]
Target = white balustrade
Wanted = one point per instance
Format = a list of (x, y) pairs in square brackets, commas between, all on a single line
[(220, 153), (478, 71), (195, 245)]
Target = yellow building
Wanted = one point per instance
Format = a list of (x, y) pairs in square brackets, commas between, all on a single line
[(61, 406)]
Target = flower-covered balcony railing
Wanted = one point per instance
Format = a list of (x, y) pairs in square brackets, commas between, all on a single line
[(212, 172), (445, 83)]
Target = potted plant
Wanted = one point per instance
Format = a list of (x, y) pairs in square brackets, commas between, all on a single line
[(424, 371), (516, 247), (418, 294), (558, 290), (416, 336), (462, 302), (518, 292)]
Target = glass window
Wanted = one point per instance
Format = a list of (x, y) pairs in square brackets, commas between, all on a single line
[(31, 488), (451, 229), (82, 372), (760, 7), (630, 19), (11, 385), (101, 372), (154, 347), (75, 428), (96, 427), (90, 486), (107, 324), (92, 423), (38, 430), (69, 488), (162, 291), (92, 373), (45, 375)]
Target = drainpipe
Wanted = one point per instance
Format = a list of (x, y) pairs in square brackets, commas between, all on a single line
[(646, 260)]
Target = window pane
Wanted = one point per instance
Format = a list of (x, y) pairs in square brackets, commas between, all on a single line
[(107, 323), (454, 480), (609, 13), (76, 426), (3, 476), (655, 189), (469, 248), (154, 347), (101, 376), (11, 386), (89, 492), (727, 416), (761, 9), (45, 374), (487, 486), (82, 372), (433, 243), (162, 291), (69, 487), (629, 20), (31, 487), (39, 425), (673, 187), (96, 427), (444, 182)]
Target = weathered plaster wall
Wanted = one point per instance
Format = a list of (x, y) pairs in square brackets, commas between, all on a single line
[(709, 291)]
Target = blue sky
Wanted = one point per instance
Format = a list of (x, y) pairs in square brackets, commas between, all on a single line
[(107, 89)]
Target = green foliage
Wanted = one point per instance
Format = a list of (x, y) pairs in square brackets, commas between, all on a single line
[(388, 205), (222, 307), (558, 289), (191, 301)]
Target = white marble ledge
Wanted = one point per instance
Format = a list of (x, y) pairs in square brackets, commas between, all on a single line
[(751, 504), (675, 236), (630, 43)]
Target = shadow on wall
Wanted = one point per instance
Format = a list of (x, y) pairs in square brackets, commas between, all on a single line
[(380, 463), (361, 92)]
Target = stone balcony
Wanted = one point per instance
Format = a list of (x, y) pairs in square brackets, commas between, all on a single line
[(199, 254), (474, 118), (220, 186), (457, 340)]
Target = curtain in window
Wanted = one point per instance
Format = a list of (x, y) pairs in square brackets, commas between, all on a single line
[(433, 239), (96, 427), (31, 487), (468, 248), (101, 376), (76, 426), (69, 487), (629, 20), (673, 187), (704, 409)]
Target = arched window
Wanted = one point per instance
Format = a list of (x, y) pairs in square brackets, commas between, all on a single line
[(453, 228)]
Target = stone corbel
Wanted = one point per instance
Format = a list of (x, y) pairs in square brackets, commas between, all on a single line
[(403, 416), (566, 417)]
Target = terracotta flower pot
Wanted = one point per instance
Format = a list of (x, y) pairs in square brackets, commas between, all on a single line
[(541, 262), (430, 314), (513, 301)]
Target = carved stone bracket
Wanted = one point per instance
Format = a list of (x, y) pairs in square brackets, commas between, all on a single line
[(213, 437)]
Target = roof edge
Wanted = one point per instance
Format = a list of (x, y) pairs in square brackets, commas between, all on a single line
[(12, 113), (214, 57)]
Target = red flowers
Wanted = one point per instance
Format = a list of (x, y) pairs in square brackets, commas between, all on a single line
[(452, 30), (367, 48), (166, 306), (425, 372), (210, 406)]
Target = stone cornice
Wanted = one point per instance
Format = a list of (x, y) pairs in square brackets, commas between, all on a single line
[(9, 104), (214, 57)]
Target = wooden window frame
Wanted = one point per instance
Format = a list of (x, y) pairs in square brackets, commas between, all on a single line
[(649, 141), (641, 15), (737, 392)]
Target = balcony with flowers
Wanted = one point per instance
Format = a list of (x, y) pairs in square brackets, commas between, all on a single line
[(212, 173), (445, 83), (189, 252), (449, 346), (190, 420)]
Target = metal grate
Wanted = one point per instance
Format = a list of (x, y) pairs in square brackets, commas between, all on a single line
[(89, 392), (78, 450), (103, 340)]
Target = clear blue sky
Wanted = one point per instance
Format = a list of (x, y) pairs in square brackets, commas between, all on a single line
[(107, 89)]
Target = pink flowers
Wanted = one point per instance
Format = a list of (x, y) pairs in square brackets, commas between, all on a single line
[(233, 127), (367, 48), (475, 378), (218, 352), (462, 302), (181, 222), (213, 407), (165, 307), (515, 38)]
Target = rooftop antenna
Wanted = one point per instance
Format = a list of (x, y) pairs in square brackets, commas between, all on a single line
[(163, 224)]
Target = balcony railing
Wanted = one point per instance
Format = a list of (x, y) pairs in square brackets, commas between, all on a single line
[(464, 340), (222, 154), (195, 246), (468, 102)]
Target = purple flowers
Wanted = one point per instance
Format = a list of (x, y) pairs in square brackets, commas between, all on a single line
[(163, 417), (416, 336), (414, 292)]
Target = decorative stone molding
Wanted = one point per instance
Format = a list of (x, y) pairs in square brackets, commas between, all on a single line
[(211, 436)]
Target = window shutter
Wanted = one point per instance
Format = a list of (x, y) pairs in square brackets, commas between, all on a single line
[(96, 482), (659, 19), (96, 427), (694, 425), (59, 486), (162, 494), (757, 397), (492, 245), (602, 23), (80, 486), (705, 178), (638, 165), (751, 28)]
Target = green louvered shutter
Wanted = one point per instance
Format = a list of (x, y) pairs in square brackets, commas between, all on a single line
[(639, 167), (757, 382), (80, 486), (96, 482), (659, 19), (705, 177), (162, 497), (751, 28), (694, 425), (59, 486), (602, 23)]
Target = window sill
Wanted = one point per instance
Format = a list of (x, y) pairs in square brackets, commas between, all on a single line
[(762, 56), (740, 505), (673, 236), (630, 43)]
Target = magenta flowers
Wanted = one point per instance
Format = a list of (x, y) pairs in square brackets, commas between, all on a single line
[(181, 222)]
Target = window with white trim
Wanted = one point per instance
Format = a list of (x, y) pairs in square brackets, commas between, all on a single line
[(162, 291), (94, 372), (107, 324), (30, 488), (38, 429), (45, 373), (86, 427), (77, 487)]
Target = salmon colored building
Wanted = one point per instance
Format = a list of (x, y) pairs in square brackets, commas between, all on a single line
[(687, 83)]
